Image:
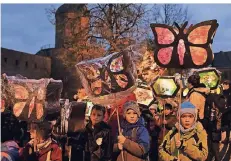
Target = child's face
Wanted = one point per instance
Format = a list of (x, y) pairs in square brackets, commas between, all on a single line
[(131, 116), (96, 116), (32, 133), (187, 120), (167, 111), (153, 111)]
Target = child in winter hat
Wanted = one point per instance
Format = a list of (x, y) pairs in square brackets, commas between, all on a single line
[(188, 116), (131, 105)]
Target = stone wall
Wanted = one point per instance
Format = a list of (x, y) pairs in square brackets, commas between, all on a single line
[(28, 65)]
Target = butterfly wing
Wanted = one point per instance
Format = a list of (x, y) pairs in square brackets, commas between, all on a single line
[(20, 93), (200, 38), (92, 73), (165, 38), (28, 95), (117, 70)]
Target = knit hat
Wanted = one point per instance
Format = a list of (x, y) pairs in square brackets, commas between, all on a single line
[(153, 106), (188, 107), (131, 105)]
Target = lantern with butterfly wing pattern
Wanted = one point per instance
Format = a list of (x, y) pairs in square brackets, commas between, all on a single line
[(31, 99), (181, 48), (108, 78)]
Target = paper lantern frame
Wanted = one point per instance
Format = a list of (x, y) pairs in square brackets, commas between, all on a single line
[(165, 80), (143, 87), (212, 72), (109, 88), (183, 35)]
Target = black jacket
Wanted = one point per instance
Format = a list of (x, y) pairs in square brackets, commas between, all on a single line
[(103, 151)]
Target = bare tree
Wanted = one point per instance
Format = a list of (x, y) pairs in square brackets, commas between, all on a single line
[(117, 25), (112, 26), (170, 13)]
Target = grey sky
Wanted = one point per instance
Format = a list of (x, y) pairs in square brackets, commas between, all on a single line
[(24, 27)]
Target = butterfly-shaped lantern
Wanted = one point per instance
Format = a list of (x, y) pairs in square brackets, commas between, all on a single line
[(32, 99), (29, 98), (165, 87), (108, 78), (178, 47)]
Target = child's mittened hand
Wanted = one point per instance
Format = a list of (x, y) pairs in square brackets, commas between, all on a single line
[(121, 139), (178, 143), (120, 146)]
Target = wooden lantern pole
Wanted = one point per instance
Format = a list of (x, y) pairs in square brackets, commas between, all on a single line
[(118, 121), (180, 100)]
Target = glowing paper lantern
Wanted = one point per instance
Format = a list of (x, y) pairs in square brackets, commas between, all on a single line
[(109, 78), (184, 48), (165, 87), (218, 90), (144, 94), (32, 99), (210, 77), (185, 92)]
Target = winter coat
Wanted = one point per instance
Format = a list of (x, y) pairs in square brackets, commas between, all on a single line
[(227, 94), (194, 145), (99, 142), (198, 99), (9, 151), (137, 143), (48, 150)]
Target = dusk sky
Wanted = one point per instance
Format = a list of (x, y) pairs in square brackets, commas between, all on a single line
[(25, 27)]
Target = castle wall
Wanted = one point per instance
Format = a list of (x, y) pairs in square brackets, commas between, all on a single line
[(28, 65)]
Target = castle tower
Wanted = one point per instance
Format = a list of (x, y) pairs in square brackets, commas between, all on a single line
[(71, 46)]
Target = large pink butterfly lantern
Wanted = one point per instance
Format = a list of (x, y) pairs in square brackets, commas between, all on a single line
[(178, 47)]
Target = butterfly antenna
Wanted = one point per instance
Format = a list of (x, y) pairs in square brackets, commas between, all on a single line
[(184, 25), (176, 24)]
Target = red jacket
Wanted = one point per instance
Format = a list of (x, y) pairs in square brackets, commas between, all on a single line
[(47, 151)]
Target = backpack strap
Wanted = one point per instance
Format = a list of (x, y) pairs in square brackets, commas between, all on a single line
[(173, 133), (193, 90)]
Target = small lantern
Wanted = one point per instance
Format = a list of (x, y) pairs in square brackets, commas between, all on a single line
[(144, 94), (165, 87), (210, 77)]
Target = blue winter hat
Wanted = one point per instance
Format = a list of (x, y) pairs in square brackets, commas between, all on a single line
[(188, 107)]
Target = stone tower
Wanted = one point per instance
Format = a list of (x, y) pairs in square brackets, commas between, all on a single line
[(70, 20), (72, 23)]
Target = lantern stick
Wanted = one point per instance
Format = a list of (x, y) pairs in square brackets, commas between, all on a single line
[(180, 100), (118, 121), (111, 115)]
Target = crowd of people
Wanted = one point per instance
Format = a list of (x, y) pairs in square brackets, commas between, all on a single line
[(188, 131)]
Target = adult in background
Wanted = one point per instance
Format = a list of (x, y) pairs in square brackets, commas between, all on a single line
[(197, 95)]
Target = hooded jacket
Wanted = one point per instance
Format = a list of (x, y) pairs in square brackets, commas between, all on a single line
[(198, 99), (98, 142), (135, 148), (194, 145), (48, 150)]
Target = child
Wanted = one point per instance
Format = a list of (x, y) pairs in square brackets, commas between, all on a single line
[(167, 121), (98, 136), (192, 142), (154, 131), (134, 140), (47, 148)]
